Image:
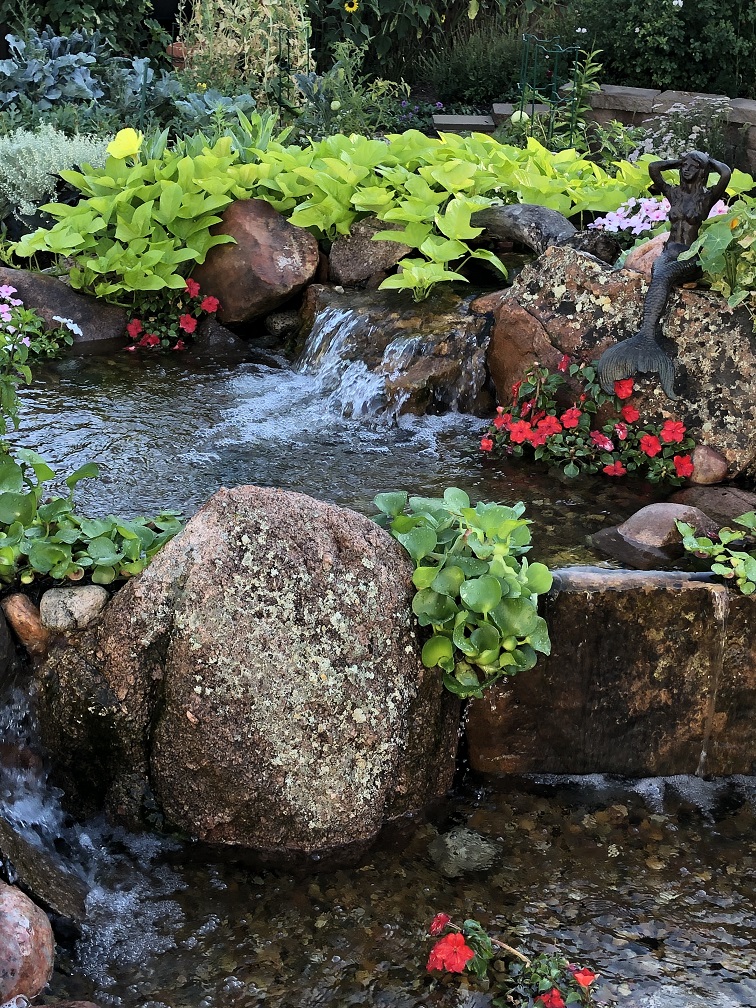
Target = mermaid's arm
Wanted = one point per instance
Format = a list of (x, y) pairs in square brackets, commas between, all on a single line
[(655, 170), (718, 190)]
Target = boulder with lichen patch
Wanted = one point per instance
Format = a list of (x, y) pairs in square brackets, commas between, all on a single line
[(568, 303), (258, 685)]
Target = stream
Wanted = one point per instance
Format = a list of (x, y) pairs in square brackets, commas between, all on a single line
[(652, 882)]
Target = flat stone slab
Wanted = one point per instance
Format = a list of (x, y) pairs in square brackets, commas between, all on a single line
[(503, 110), (651, 674), (464, 123), (743, 110), (626, 99)]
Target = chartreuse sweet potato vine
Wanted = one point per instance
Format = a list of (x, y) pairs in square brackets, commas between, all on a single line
[(477, 597), (144, 219), (732, 552)]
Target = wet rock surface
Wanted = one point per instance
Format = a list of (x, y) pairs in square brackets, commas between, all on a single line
[(27, 946), (24, 619), (650, 674), (722, 504), (649, 539), (34, 870), (103, 326), (259, 683), (381, 352), (271, 261), (567, 303)]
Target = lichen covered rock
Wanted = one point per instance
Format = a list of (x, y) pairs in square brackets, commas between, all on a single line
[(259, 684), (568, 303)]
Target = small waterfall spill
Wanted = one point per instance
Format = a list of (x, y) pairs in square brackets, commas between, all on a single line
[(721, 607)]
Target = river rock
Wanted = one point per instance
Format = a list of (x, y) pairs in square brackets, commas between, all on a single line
[(722, 504), (641, 259), (270, 262), (381, 352), (103, 326), (669, 688), (25, 621), (38, 873), (259, 683), (568, 303), (358, 256), (650, 539), (72, 608), (27, 946), (709, 466)]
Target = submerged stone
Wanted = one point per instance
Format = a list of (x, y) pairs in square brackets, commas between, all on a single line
[(650, 674), (259, 685)]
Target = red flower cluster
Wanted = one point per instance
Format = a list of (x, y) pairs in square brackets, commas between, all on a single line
[(452, 954), (551, 999), (159, 314)]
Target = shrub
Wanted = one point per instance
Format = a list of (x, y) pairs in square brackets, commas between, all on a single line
[(31, 161)]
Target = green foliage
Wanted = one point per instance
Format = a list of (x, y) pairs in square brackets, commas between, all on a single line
[(707, 46), (475, 595), (343, 99), (43, 536), (729, 553), (726, 250)]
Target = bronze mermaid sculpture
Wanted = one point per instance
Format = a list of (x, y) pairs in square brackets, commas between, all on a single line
[(690, 203)]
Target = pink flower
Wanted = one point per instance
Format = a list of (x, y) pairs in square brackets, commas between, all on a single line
[(438, 923), (570, 418), (134, 328), (621, 430), (563, 364), (192, 288), (650, 445), (615, 469), (672, 432), (683, 465), (210, 304), (624, 389), (188, 323), (486, 444), (629, 413), (179, 345), (131, 349), (601, 440)]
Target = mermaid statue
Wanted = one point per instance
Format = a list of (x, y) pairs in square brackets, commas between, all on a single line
[(690, 203)]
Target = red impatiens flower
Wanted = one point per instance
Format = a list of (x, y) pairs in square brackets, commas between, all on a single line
[(672, 432), (179, 345), (486, 444), (629, 413), (452, 954), (552, 998), (601, 440), (650, 445), (134, 328), (502, 420), (550, 425), (620, 430), (537, 437), (526, 407), (192, 288), (585, 977), (683, 465), (516, 389), (188, 323), (571, 417), (615, 469), (438, 923), (563, 364), (519, 431), (149, 340), (624, 389), (210, 304)]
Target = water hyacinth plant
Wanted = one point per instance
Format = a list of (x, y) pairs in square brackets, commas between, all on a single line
[(474, 593), (575, 438)]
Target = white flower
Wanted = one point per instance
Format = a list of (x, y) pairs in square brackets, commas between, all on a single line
[(677, 3), (68, 324), (581, 31), (637, 30)]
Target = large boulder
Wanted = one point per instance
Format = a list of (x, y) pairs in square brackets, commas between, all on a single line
[(260, 684), (650, 674), (358, 256), (269, 263), (103, 326), (381, 352), (27, 946), (568, 303)]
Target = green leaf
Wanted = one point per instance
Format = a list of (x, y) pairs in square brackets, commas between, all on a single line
[(88, 471), (11, 476), (448, 581), (43, 556), (438, 651), (481, 594), (539, 578), (516, 616), (455, 498), (17, 507), (391, 504), (423, 577), (539, 637), (430, 607), (419, 541)]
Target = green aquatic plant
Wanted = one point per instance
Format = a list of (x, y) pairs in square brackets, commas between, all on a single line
[(475, 589), (732, 552), (41, 535)]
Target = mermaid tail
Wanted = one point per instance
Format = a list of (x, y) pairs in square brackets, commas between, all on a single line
[(639, 353)]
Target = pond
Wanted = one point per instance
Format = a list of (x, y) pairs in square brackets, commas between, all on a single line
[(650, 881)]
